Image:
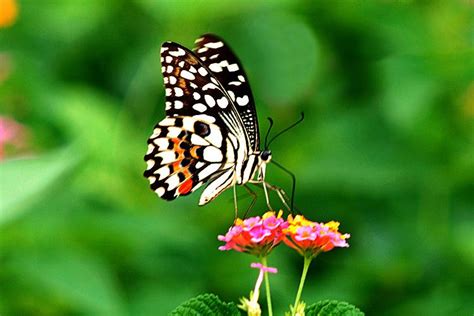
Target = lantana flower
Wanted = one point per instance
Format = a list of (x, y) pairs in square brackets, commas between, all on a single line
[(310, 238), (255, 235)]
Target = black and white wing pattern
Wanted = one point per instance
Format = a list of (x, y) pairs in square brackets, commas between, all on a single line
[(226, 67), (202, 138)]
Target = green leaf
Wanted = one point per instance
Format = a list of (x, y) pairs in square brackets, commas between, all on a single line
[(206, 304), (25, 179), (332, 308)]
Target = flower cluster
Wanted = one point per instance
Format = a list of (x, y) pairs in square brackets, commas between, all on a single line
[(259, 235), (255, 235), (310, 238)]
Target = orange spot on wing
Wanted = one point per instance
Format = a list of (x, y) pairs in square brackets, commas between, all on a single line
[(194, 153), (186, 186)]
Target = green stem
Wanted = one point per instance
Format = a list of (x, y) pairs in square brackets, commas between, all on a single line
[(307, 262), (267, 289)]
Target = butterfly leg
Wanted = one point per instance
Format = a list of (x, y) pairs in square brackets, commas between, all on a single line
[(236, 209), (254, 199), (264, 186), (280, 192)]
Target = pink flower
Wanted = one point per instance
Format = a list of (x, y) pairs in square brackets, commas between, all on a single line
[(12, 135), (310, 238), (256, 235)]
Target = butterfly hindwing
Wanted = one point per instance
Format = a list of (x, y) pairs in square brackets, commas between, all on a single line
[(226, 67), (183, 153)]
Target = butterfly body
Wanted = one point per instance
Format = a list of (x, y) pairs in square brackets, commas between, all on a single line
[(210, 134)]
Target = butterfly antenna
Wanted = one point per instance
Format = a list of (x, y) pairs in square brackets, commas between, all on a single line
[(293, 186), (286, 129), (268, 132)]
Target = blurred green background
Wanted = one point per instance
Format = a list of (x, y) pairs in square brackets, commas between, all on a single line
[(387, 149)]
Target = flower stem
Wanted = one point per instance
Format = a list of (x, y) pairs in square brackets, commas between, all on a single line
[(267, 288), (307, 262)]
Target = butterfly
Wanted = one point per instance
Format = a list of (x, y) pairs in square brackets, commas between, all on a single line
[(210, 134)]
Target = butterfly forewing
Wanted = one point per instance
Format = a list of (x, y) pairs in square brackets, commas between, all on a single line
[(226, 67), (193, 144)]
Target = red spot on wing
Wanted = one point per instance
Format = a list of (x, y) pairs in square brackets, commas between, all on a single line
[(185, 187)]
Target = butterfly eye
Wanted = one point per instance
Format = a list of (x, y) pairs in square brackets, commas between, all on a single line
[(202, 129), (266, 155)]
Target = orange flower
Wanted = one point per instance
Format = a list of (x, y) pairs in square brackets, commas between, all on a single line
[(8, 12)]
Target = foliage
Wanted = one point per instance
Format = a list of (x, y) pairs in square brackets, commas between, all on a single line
[(206, 304), (386, 148), (328, 307)]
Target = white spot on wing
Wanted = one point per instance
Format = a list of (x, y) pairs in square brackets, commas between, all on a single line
[(178, 91), (172, 181), (168, 121), (149, 164), (210, 85), (177, 53), (214, 45), (167, 156), (215, 67), (173, 132), (202, 71), (243, 100), (178, 104), (187, 75), (198, 140), (233, 67), (205, 118), (188, 123), (169, 69), (196, 96), (160, 191), (212, 154), (150, 149), (222, 102), (209, 100), (162, 143), (156, 132), (200, 107), (163, 172)]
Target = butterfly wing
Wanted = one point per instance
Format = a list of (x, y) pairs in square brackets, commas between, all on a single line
[(201, 136), (226, 67)]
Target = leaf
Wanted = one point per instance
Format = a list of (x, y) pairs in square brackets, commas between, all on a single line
[(332, 308), (25, 179), (206, 304)]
